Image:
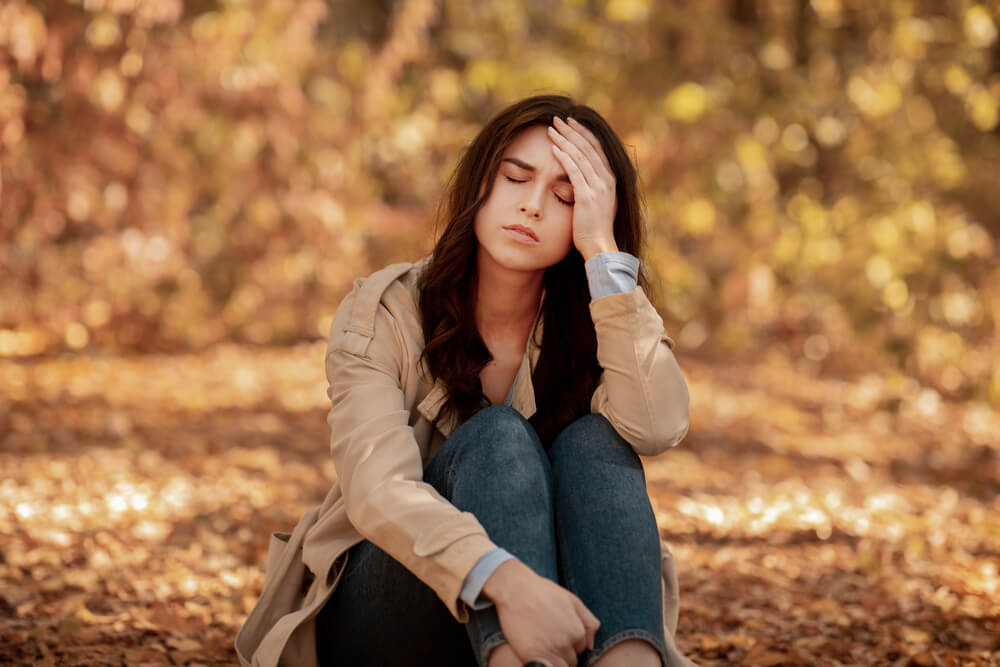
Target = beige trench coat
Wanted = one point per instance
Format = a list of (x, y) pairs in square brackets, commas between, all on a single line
[(381, 439)]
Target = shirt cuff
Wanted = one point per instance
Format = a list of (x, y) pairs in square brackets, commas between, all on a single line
[(611, 272), (476, 579)]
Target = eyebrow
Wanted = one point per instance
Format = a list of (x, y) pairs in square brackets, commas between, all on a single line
[(524, 165)]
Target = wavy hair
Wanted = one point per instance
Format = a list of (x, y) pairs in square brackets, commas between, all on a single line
[(567, 371)]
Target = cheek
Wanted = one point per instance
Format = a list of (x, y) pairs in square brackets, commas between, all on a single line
[(477, 226), (566, 226), (563, 237)]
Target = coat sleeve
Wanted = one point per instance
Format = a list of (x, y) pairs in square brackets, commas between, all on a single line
[(379, 466), (642, 391)]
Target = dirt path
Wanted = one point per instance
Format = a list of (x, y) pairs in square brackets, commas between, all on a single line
[(814, 521)]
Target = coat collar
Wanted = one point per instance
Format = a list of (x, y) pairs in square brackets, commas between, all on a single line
[(524, 391)]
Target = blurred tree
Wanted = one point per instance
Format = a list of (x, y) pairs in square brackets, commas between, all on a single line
[(819, 175)]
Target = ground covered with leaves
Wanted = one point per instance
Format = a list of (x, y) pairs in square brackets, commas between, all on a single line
[(814, 521)]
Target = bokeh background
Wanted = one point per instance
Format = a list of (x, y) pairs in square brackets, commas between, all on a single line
[(187, 189), (820, 177)]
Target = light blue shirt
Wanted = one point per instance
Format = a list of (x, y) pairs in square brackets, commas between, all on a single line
[(607, 273)]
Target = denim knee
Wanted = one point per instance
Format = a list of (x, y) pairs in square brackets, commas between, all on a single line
[(592, 438), (499, 440)]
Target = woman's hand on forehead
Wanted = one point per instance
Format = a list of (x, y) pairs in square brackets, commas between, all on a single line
[(595, 200)]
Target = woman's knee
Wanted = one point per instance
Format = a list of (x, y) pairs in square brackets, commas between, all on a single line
[(589, 440), (501, 440)]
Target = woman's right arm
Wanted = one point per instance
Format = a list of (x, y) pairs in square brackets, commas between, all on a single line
[(378, 462)]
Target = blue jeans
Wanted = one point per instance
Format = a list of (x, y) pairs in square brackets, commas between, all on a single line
[(577, 514)]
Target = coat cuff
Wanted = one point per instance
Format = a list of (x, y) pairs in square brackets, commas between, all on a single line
[(460, 556)]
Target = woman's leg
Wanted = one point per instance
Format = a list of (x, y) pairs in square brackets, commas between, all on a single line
[(609, 544), (381, 614), (495, 467)]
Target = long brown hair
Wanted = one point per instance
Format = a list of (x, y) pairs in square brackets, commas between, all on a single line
[(567, 371)]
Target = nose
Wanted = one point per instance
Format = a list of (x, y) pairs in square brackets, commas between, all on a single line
[(532, 204), (531, 209)]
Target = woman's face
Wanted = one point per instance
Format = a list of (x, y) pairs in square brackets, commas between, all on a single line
[(530, 191)]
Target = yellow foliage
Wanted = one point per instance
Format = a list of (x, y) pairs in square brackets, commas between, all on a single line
[(686, 103), (699, 217), (979, 27), (178, 175), (627, 10)]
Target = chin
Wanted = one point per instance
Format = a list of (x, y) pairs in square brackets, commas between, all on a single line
[(517, 259), (496, 247), (516, 262)]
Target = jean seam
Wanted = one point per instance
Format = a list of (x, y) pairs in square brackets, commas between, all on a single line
[(611, 642)]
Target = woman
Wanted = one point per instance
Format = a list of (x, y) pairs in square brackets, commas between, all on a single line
[(488, 406)]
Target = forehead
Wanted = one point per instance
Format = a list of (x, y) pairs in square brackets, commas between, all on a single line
[(531, 149), (533, 139)]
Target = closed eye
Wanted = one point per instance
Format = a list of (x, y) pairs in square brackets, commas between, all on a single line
[(514, 180)]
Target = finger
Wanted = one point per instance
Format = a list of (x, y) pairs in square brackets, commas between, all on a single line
[(572, 148), (545, 662), (572, 170), (580, 645), (548, 660), (575, 145), (568, 656), (574, 133), (590, 622), (592, 627), (592, 140)]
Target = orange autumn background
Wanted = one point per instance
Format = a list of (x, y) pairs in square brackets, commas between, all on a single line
[(187, 189)]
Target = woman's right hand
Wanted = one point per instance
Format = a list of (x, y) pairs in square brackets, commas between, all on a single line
[(540, 618)]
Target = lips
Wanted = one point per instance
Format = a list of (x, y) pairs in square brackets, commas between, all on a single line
[(523, 230)]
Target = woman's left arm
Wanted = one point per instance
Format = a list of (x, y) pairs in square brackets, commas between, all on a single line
[(642, 391)]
